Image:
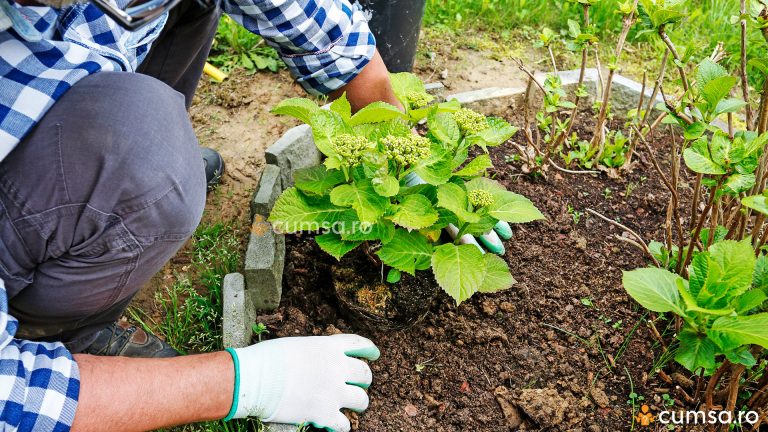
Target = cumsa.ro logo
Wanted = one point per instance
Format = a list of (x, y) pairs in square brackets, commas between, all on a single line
[(644, 417)]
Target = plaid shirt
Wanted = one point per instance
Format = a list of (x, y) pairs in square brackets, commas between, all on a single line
[(39, 381), (325, 44)]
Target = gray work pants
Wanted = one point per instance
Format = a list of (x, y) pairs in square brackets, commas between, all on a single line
[(105, 189)]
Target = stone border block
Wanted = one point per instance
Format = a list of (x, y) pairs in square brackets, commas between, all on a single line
[(625, 94), (294, 150), (264, 263), (238, 312), (267, 191), (436, 89), (492, 100)]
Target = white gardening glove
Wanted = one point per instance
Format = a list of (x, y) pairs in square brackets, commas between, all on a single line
[(491, 240), (299, 380)]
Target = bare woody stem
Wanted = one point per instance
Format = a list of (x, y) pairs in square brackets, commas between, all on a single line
[(675, 55), (733, 389), (762, 119), (713, 380), (702, 220), (557, 141), (671, 185), (552, 58), (744, 81), (643, 245), (657, 85), (633, 139), (629, 20)]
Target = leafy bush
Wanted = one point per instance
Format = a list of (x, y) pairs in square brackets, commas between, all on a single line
[(711, 272), (361, 197), (235, 47), (720, 304)]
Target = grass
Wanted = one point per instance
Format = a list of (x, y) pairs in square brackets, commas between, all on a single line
[(235, 47), (191, 305), (708, 23)]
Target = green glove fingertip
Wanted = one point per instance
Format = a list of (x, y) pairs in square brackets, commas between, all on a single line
[(368, 353), (496, 248), (503, 230)]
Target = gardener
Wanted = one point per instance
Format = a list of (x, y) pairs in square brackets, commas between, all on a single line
[(101, 182)]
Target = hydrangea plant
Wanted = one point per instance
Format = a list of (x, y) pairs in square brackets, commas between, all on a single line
[(359, 197)]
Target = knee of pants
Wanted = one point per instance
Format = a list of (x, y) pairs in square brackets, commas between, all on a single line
[(128, 148)]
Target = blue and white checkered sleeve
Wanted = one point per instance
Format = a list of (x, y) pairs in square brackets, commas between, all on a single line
[(325, 43), (39, 382)]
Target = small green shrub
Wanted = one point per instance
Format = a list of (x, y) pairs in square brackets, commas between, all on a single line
[(235, 47), (721, 304), (361, 197)]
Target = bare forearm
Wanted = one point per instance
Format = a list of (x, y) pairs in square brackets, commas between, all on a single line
[(371, 85), (128, 394)]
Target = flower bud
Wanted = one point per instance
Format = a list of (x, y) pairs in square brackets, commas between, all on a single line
[(480, 198), (469, 121), (351, 148), (408, 149)]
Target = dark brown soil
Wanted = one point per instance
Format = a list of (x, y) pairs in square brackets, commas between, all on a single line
[(552, 353)]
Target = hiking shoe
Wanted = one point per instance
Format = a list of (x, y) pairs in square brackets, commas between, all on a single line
[(126, 340), (214, 166)]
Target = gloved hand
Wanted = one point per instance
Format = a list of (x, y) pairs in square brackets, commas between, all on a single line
[(303, 380), (491, 240)]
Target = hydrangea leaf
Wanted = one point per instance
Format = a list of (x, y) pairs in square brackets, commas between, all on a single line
[(382, 231), (758, 203), (476, 166), (361, 196), (436, 169), (444, 128), (453, 197), (731, 332), (415, 212), (325, 126), (459, 269), (497, 275), (294, 212), (299, 108), (654, 288), (407, 252), (317, 180), (376, 112), (334, 245), (695, 351), (342, 107)]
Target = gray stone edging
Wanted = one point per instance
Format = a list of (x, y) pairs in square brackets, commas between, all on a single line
[(625, 94)]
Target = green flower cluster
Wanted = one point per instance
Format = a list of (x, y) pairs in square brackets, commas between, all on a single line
[(417, 99), (480, 198), (470, 121), (407, 149), (351, 147)]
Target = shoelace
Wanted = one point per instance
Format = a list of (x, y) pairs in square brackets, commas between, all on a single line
[(115, 338)]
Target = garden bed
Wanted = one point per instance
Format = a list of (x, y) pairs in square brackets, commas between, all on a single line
[(554, 351)]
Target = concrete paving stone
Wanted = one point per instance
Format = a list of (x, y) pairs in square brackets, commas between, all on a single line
[(264, 263), (267, 191), (238, 313), (294, 150)]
